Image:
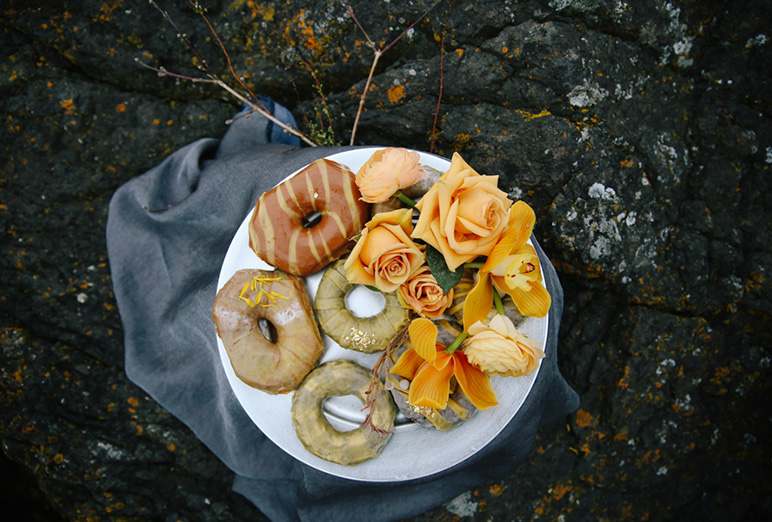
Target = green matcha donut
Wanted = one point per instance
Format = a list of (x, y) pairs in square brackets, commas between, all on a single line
[(339, 378)]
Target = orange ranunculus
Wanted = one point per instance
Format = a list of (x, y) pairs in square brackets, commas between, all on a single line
[(385, 256), (422, 293), (463, 214), (499, 348), (386, 172), (429, 368), (513, 267)]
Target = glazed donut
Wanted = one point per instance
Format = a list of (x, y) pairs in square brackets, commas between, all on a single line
[(251, 305), (282, 232), (363, 334), (340, 377)]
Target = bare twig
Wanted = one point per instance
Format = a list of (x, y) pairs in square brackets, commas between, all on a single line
[(442, 76), (258, 109), (320, 91), (252, 102), (376, 57), (202, 13), (377, 53), (376, 385)]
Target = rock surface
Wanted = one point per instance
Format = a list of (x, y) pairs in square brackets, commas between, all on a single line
[(639, 132)]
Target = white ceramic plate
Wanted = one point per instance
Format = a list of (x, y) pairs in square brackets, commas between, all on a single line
[(413, 451)]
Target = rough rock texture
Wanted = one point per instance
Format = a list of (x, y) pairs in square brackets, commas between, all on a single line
[(639, 131)]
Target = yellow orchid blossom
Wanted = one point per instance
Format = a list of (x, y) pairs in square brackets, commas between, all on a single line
[(513, 268), (430, 368)]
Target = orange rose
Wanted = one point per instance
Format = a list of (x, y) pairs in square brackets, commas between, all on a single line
[(386, 172), (422, 293), (385, 256), (463, 214), (499, 348)]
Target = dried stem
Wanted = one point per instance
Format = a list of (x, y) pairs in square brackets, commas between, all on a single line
[(252, 102), (375, 378), (364, 95), (442, 76), (377, 53), (201, 13), (260, 110), (319, 89)]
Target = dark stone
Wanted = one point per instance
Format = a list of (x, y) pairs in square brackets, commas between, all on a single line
[(638, 131)]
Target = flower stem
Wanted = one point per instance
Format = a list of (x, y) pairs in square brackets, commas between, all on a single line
[(404, 199), (456, 342), (474, 264), (497, 301)]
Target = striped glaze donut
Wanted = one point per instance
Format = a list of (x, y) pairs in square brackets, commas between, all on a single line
[(280, 233)]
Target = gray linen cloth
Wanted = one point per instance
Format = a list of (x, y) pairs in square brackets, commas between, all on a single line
[(167, 233)]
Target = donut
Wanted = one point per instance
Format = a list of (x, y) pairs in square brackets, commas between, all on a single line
[(340, 377), (307, 221), (363, 334), (266, 324)]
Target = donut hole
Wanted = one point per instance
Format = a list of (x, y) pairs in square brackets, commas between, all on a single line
[(363, 302), (268, 330), (311, 219), (344, 412)]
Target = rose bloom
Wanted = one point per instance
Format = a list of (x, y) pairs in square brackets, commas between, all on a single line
[(463, 214), (386, 172), (422, 293), (499, 348), (385, 256)]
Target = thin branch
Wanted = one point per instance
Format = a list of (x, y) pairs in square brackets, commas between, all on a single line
[(252, 104), (255, 104), (321, 93), (364, 95), (370, 42), (377, 53), (163, 72), (204, 66), (202, 13), (442, 76), (403, 33), (376, 385)]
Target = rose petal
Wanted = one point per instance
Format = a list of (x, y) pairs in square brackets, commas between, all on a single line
[(452, 259), (379, 240), (402, 217)]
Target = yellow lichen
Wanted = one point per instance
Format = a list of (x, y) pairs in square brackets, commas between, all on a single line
[(396, 93)]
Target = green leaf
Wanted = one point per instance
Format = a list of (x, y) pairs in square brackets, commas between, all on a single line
[(447, 279)]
